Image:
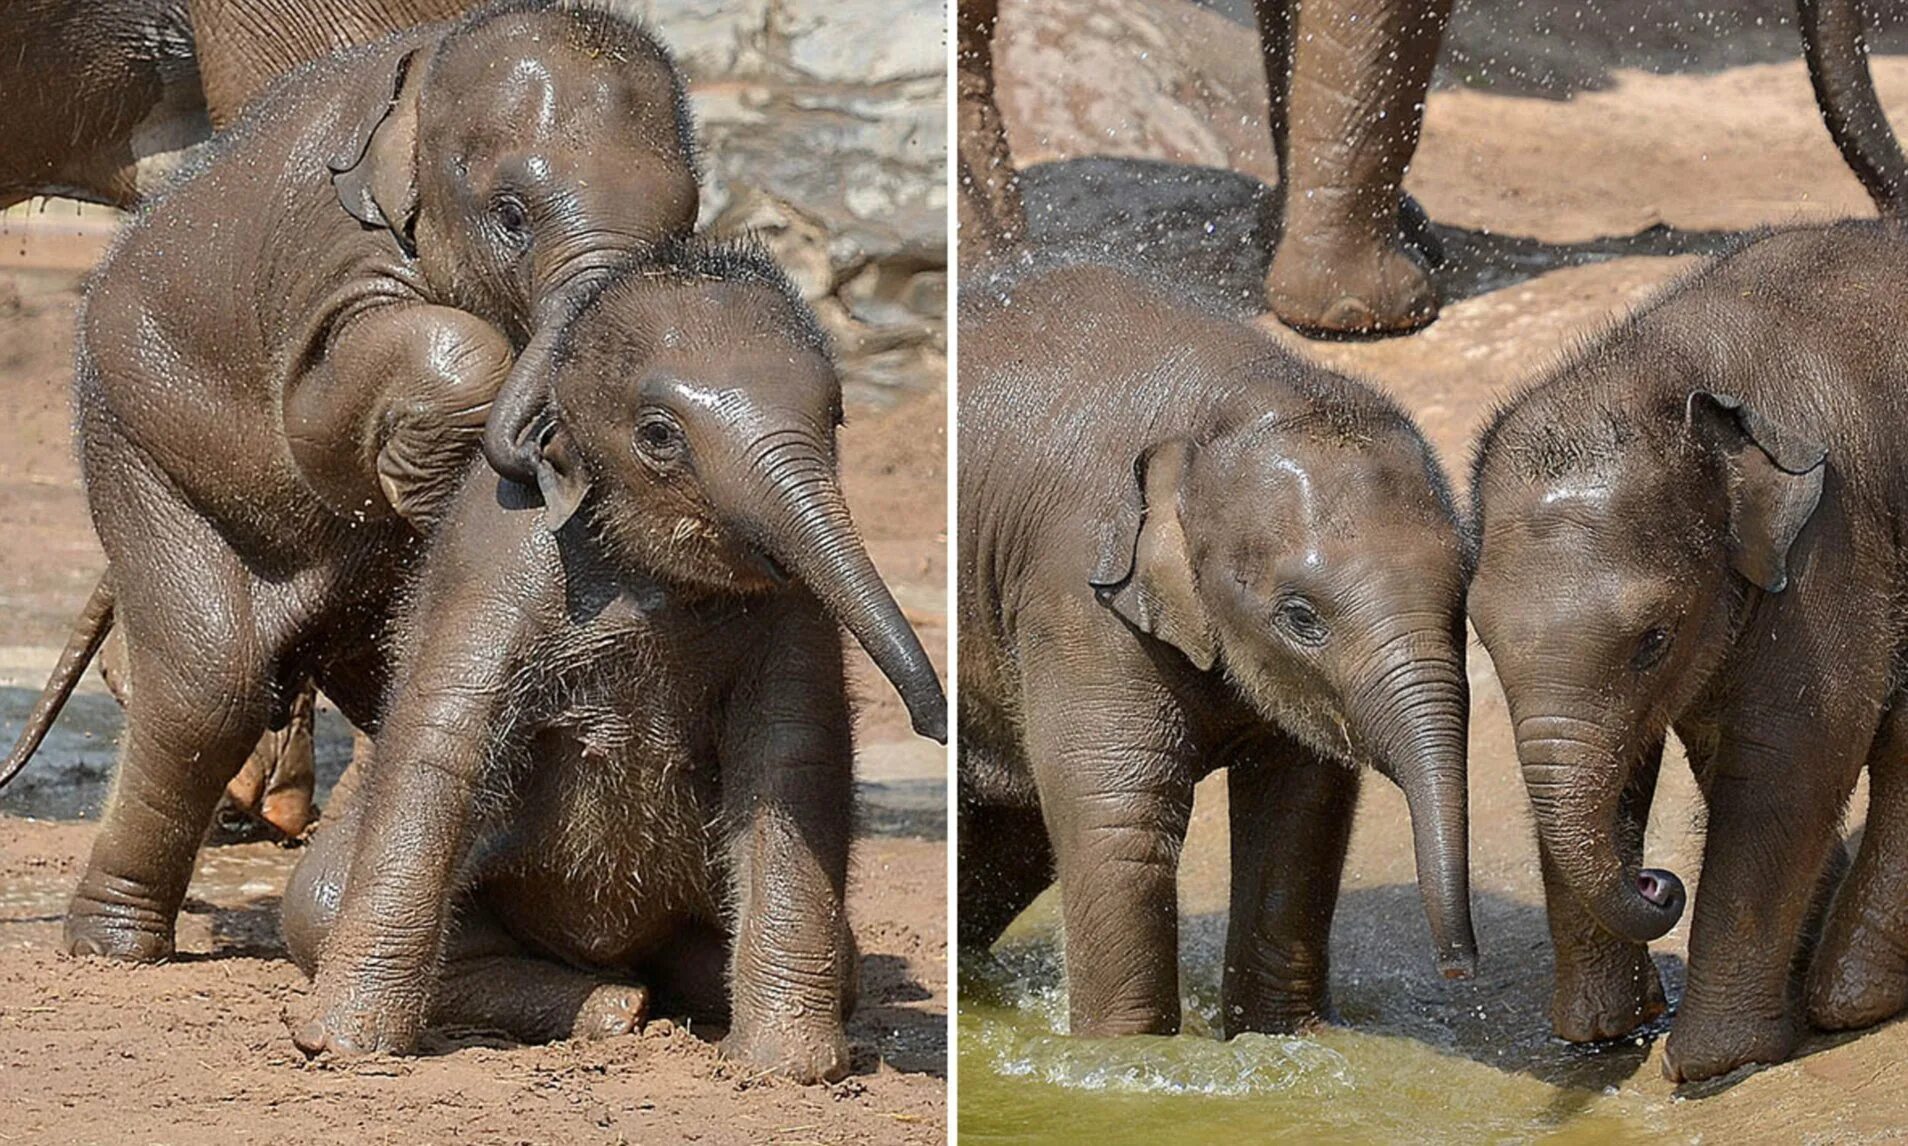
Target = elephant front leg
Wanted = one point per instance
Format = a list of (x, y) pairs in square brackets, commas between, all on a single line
[(1116, 798), (788, 785), (1359, 71), (1772, 822), (1291, 823), (389, 420), (1605, 987)]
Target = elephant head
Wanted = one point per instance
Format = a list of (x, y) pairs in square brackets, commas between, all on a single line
[(517, 157), (689, 420), (1315, 560), (1614, 570)]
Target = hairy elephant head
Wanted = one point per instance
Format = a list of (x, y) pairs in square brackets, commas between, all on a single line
[(517, 157), (690, 417), (1315, 560), (1618, 552)]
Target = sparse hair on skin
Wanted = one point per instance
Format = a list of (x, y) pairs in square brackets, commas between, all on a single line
[(743, 261), (597, 28)]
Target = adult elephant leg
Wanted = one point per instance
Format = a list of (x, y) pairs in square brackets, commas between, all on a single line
[(1359, 71), (1116, 800), (1860, 973), (992, 216), (275, 785), (1777, 786), (1605, 986), (1291, 819)]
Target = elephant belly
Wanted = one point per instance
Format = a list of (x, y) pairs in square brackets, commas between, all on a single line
[(607, 860)]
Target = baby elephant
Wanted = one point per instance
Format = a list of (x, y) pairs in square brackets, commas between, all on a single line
[(616, 758), (1697, 524), (1183, 549)]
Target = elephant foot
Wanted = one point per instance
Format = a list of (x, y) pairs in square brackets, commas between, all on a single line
[(1609, 1002), (117, 930), (1696, 1053), (612, 1010), (348, 1024), (805, 1058), (1330, 289), (1857, 989), (276, 784)]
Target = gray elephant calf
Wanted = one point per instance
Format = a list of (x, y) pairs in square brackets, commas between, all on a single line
[(1697, 524), (617, 748), (1182, 549)]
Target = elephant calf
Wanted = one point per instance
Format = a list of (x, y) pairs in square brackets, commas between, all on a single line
[(617, 748), (1697, 524), (288, 360), (1182, 549)]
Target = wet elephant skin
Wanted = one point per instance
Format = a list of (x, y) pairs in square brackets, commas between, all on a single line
[(289, 358), (1182, 549), (618, 754), (1695, 525)]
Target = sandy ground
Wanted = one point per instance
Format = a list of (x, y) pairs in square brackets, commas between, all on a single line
[(1559, 213), (196, 1051)]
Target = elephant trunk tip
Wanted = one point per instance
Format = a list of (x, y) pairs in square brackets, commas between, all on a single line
[(929, 716), (1460, 963), (1665, 897)]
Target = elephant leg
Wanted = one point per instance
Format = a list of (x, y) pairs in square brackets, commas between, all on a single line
[(488, 981), (275, 784), (189, 726), (1291, 823), (390, 420), (1116, 803), (1860, 972), (992, 216), (1358, 74), (1773, 820), (1605, 987), (1005, 862)]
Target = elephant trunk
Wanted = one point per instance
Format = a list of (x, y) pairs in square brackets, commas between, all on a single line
[(1576, 784), (511, 430), (794, 509), (1421, 704)]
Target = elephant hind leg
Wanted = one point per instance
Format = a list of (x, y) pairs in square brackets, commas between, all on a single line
[(1860, 972), (1005, 863), (190, 725)]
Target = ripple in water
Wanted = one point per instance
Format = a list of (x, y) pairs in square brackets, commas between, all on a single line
[(1251, 1064)]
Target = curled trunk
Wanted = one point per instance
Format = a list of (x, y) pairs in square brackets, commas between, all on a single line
[(1832, 32), (1576, 785)]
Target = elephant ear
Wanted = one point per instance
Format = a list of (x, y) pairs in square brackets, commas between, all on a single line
[(376, 176), (1775, 482), (562, 478), (1145, 571)]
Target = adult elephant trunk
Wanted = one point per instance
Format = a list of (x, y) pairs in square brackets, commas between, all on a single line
[(1576, 778), (1419, 704), (787, 499), (1832, 33)]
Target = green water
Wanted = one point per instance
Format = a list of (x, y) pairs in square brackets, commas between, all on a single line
[(1420, 1061)]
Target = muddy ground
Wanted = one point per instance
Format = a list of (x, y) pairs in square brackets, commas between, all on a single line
[(197, 1051), (1565, 193)]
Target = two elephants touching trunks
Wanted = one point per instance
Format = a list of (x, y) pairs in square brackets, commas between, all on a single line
[(1347, 81), (613, 760), (1216, 556)]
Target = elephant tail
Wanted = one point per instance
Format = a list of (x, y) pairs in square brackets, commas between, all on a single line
[(1832, 38), (89, 632)]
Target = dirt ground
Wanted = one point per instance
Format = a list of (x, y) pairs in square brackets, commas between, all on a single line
[(197, 1050), (1559, 212)]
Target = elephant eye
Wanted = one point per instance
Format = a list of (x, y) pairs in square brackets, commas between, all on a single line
[(1299, 619), (1650, 648), (659, 438), (511, 216)]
